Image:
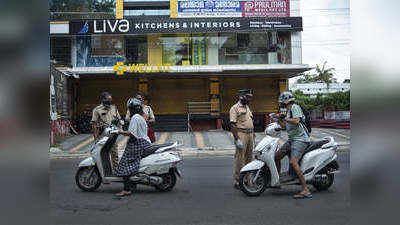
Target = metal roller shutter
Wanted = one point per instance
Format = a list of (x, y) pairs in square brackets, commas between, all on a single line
[(266, 92), (169, 96)]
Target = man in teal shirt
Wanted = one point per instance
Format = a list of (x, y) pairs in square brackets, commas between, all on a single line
[(298, 141)]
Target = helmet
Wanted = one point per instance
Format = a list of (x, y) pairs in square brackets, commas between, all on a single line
[(273, 130), (134, 106), (286, 97), (133, 100)]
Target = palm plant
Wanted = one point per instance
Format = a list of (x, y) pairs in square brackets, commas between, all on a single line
[(325, 74)]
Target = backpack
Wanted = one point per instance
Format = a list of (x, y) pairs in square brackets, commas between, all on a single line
[(307, 121)]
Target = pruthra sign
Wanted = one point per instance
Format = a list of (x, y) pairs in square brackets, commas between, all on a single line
[(271, 8), (183, 25)]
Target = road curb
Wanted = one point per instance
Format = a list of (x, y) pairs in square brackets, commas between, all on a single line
[(190, 152)]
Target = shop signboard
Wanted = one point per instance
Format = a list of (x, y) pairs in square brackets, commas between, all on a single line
[(157, 24), (266, 8), (229, 8), (206, 8)]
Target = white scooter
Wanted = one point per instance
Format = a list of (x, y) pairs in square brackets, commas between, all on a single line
[(158, 166), (318, 165)]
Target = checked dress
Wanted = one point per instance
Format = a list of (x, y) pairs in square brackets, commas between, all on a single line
[(138, 141)]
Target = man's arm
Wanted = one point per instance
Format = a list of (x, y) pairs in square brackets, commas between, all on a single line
[(128, 116), (294, 121), (119, 117), (234, 131), (95, 132), (94, 124), (282, 123), (296, 115), (232, 122), (152, 119)]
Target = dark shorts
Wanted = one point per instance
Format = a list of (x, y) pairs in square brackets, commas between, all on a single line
[(294, 148)]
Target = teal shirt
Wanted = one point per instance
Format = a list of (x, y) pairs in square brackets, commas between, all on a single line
[(296, 132)]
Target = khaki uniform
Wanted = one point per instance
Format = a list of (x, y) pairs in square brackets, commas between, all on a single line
[(242, 116), (146, 109), (103, 117)]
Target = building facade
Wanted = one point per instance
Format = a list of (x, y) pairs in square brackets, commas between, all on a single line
[(188, 65), (312, 89)]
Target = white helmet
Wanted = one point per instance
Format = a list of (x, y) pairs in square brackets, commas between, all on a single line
[(286, 97), (134, 101), (273, 130)]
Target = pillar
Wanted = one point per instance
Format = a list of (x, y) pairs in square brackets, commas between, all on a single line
[(214, 96), (215, 99), (283, 85), (144, 89)]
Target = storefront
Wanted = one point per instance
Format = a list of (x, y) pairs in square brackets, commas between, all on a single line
[(209, 60)]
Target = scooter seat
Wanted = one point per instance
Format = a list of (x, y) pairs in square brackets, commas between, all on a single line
[(315, 144), (153, 148)]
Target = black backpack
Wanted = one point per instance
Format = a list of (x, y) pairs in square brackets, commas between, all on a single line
[(307, 122)]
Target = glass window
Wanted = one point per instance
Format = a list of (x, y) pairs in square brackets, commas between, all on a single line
[(254, 48), (107, 45), (199, 47), (214, 48), (136, 49), (60, 50), (175, 49)]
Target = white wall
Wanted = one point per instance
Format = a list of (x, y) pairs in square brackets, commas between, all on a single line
[(294, 7), (296, 36), (296, 48), (213, 50), (59, 28), (313, 89)]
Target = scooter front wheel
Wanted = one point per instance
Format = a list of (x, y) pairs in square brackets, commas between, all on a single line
[(325, 182), (88, 179), (252, 187)]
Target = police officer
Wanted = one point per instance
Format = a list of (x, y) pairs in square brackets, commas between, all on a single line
[(104, 115), (241, 121)]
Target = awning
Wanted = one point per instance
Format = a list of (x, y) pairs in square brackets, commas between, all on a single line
[(259, 70)]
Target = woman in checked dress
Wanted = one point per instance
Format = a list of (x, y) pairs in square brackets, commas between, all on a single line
[(138, 141)]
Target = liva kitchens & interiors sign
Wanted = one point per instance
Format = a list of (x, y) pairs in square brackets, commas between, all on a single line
[(184, 25)]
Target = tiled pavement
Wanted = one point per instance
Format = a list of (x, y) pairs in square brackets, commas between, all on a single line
[(194, 143)]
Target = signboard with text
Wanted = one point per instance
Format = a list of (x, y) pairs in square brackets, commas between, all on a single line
[(229, 8), (158, 24), (266, 8)]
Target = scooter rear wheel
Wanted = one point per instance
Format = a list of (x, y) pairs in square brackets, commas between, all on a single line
[(253, 188), (86, 182), (169, 181)]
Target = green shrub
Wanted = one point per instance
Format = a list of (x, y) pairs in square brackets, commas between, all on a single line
[(338, 101)]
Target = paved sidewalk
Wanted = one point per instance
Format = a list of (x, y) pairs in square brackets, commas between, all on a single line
[(193, 144)]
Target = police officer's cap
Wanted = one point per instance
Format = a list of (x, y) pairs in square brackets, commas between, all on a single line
[(246, 92)]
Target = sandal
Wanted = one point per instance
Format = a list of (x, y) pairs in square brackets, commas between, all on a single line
[(302, 196), (123, 193)]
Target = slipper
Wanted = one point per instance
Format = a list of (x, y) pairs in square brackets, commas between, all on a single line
[(122, 194), (302, 196)]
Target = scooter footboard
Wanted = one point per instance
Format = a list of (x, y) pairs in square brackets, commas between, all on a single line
[(253, 165)]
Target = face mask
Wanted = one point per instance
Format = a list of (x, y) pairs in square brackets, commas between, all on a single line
[(107, 102), (244, 100)]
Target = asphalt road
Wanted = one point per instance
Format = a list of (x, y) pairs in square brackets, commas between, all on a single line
[(204, 196)]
